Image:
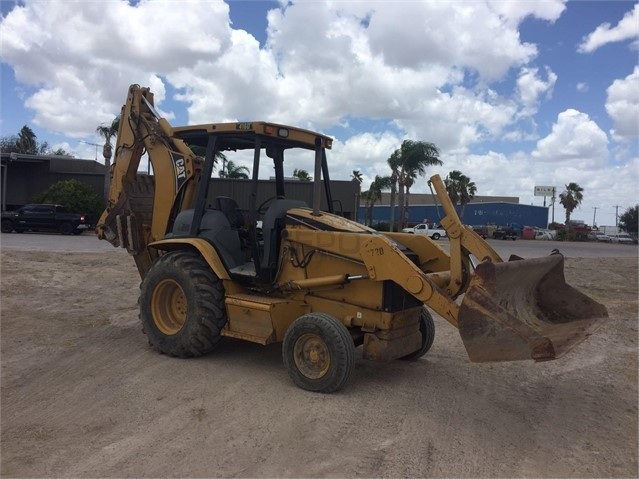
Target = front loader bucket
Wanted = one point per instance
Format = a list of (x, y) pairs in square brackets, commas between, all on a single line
[(523, 309)]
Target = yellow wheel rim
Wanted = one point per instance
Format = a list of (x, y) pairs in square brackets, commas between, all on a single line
[(168, 307), (311, 355)]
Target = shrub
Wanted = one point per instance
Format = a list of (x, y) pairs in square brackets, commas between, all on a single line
[(73, 195)]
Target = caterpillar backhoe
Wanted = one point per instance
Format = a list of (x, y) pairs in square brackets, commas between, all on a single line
[(282, 271)]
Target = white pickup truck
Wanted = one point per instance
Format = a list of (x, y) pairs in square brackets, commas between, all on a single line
[(425, 229)]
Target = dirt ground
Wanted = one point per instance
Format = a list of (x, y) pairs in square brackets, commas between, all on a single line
[(84, 396)]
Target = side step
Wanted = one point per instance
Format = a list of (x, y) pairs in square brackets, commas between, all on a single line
[(260, 319)]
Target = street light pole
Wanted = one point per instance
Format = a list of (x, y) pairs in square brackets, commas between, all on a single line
[(594, 216)]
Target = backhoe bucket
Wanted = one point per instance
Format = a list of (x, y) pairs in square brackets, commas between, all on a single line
[(523, 309)]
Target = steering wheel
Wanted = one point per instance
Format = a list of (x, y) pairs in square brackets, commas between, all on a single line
[(261, 210)]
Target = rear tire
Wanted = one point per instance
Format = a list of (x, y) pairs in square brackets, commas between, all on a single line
[(66, 228), (427, 328), (182, 305), (7, 226), (436, 236), (319, 353)]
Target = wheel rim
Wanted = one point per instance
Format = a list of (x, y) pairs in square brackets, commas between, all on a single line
[(169, 307), (311, 355)]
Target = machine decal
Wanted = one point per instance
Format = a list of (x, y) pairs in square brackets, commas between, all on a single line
[(180, 169)]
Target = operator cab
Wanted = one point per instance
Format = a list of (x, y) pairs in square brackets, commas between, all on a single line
[(231, 224)]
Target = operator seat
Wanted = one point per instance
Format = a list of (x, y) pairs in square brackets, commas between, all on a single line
[(272, 226), (231, 210)]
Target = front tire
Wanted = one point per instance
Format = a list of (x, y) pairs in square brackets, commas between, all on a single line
[(319, 353), (182, 305), (427, 328)]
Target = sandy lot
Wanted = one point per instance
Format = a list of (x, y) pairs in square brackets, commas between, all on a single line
[(84, 396)]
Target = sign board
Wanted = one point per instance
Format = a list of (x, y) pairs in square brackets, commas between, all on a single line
[(544, 190)]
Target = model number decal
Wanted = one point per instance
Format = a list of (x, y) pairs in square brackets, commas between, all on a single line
[(244, 126), (376, 251)]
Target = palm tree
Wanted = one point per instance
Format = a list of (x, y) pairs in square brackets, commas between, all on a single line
[(571, 197), (27, 141), (394, 161), (407, 162), (302, 175), (460, 189), (107, 132), (356, 176), (374, 194), (235, 171)]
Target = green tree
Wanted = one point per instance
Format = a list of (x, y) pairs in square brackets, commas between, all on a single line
[(394, 162), (570, 198), (356, 176), (628, 220), (235, 171), (374, 194), (302, 175), (74, 195), (108, 132), (26, 143), (409, 161), (460, 189)]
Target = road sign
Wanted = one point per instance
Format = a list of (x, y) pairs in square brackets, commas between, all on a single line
[(544, 190)]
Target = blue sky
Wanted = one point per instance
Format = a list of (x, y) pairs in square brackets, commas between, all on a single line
[(515, 94)]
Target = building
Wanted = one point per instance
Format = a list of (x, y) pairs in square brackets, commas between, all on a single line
[(475, 213), (24, 176)]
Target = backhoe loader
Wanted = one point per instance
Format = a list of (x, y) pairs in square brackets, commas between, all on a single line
[(283, 271)]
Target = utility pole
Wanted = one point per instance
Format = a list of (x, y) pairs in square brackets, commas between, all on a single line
[(594, 216), (616, 207)]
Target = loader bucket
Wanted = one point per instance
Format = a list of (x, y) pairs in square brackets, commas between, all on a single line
[(523, 309)]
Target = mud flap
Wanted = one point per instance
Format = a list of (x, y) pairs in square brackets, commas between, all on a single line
[(524, 309)]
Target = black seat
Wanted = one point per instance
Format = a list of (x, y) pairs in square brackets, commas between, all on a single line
[(272, 226), (231, 210)]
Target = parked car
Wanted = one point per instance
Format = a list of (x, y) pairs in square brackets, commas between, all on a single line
[(505, 233), (543, 235), (602, 237), (433, 231), (44, 217), (623, 238), (481, 231)]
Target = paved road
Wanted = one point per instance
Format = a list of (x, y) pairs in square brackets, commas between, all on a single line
[(85, 243), (88, 243)]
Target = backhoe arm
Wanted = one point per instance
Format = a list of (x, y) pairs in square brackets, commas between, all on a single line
[(140, 206)]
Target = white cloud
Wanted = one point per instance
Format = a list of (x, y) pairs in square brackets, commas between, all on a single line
[(576, 141), (626, 29), (582, 87), (81, 57), (622, 105), (530, 87)]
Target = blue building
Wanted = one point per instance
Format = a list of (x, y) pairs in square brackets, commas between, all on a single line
[(475, 214)]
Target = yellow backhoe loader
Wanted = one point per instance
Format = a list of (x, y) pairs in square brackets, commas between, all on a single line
[(321, 284)]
